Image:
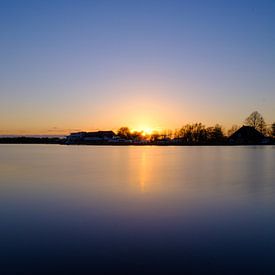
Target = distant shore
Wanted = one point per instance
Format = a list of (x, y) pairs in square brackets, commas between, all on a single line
[(31, 140), (62, 141)]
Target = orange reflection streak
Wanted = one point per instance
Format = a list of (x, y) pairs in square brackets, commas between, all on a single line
[(143, 172)]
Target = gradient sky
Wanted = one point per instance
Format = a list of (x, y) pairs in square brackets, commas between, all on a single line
[(86, 65)]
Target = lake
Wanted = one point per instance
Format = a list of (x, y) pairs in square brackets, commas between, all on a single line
[(137, 210)]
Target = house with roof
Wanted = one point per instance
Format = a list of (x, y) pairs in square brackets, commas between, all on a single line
[(90, 137), (247, 135), (99, 136)]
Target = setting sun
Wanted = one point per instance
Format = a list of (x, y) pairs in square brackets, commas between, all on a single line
[(145, 130)]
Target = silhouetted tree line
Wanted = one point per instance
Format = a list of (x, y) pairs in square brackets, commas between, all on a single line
[(197, 133), (189, 134)]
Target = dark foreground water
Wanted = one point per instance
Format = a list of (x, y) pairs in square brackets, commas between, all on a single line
[(137, 210)]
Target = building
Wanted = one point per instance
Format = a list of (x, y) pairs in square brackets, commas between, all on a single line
[(247, 135), (75, 137), (99, 136), (90, 137)]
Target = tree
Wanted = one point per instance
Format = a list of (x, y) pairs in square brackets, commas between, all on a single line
[(137, 136), (155, 136), (166, 134), (215, 134), (232, 130), (124, 132), (193, 133), (257, 121)]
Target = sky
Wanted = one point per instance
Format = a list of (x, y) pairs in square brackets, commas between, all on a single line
[(87, 65)]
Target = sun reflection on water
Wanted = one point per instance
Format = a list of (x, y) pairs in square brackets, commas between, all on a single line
[(143, 172)]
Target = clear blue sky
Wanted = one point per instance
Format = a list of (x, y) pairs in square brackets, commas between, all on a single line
[(68, 65)]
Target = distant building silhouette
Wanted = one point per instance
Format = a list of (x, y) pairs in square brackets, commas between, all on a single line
[(90, 137), (247, 135)]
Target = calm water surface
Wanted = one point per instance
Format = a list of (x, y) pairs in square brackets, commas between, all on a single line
[(137, 210)]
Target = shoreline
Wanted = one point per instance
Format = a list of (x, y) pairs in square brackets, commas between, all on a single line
[(138, 145), (64, 141)]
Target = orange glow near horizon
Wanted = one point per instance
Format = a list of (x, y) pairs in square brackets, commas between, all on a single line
[(146, 130)]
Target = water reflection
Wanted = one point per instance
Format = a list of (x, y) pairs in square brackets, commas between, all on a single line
[(144, 167), (136, 210)]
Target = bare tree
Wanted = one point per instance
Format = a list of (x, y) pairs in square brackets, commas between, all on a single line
[(256, 120), (155, 136), (124, 132), (136, 135), (215, 134), (166, 134), (193, 133), (232, 130)]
